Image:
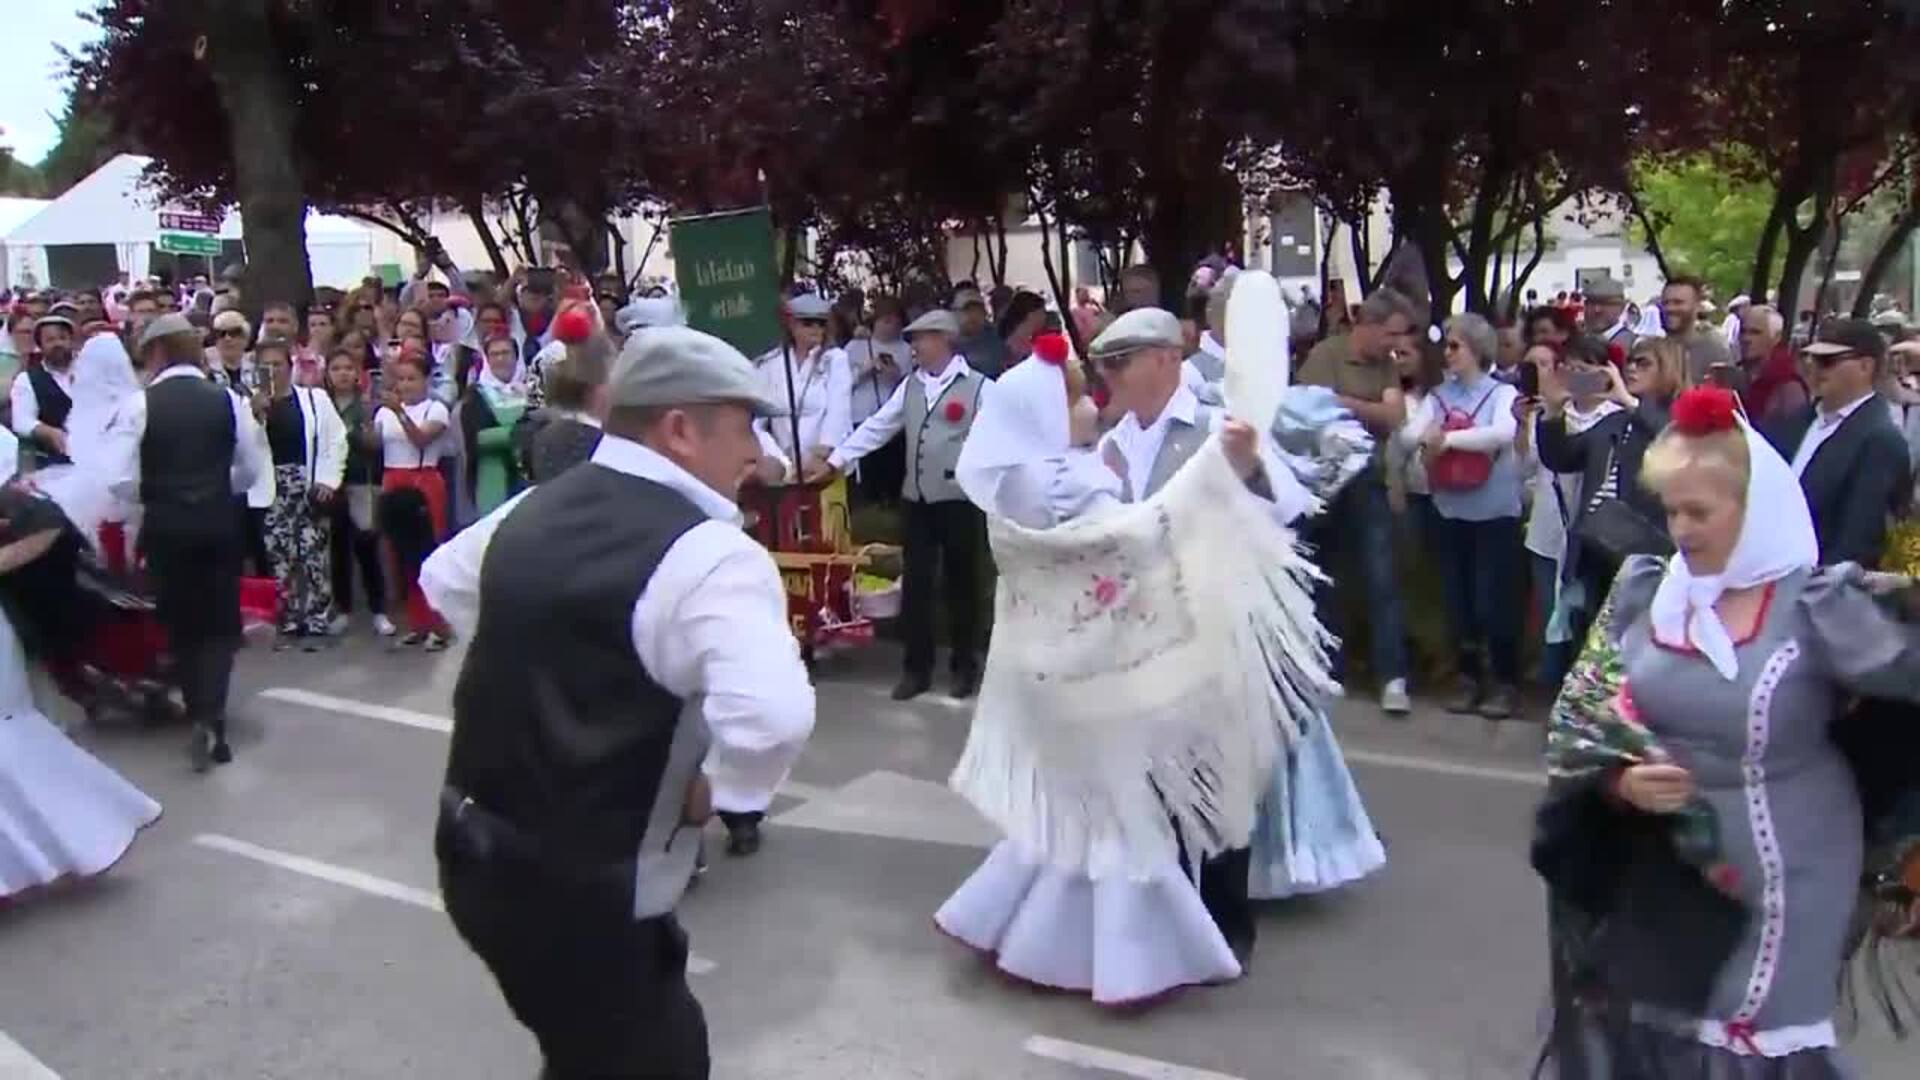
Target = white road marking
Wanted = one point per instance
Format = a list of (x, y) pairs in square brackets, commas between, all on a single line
[(1082, 1056), (1445, 768), (17, 1064), (897, 807), (388, 713), (350, 878)]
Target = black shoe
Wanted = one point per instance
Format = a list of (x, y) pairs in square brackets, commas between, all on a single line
[(1466, 701), (744, 838), (911, 686), (965, 684), (200, 748), (1243, 952), (221, 754)]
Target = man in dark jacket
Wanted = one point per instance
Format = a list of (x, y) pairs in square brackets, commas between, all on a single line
[(1849, 455)]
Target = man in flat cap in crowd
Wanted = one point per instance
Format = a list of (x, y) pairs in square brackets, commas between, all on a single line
[(1606, 315), (1850, 457), (184, 448), (42, 395), (945, 532), (1141, 355), (623, 629)]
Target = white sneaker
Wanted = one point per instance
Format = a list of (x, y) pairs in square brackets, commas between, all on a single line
[(383, 626), (1394, 700), (338, 625)]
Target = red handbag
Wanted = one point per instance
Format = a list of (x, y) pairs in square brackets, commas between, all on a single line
[(1460, 470)]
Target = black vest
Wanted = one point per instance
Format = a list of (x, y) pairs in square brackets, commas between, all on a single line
[(54, 405), (186, 461), (557, 728)]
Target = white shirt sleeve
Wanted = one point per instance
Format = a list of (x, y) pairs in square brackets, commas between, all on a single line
[(769, 447), (1497, 433), (450, 577), (884, 424), (120, 449), (330, 464), (26, 406), (712, 625), (251, 458)]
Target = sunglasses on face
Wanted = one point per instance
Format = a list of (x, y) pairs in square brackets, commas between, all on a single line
[(230, 332)]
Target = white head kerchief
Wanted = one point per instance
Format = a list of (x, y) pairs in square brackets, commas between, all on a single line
[(1776, 539), (103, 378), (1023, 422)]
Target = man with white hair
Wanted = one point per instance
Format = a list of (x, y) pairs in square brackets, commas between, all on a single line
[(1769, 381)]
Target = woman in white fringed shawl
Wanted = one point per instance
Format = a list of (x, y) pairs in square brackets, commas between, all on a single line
[(1124, 939)]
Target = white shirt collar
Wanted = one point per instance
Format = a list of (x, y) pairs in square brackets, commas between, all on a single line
[(936, 383), (1182, 406), (1823, 418), (179, 371), (627, 456)]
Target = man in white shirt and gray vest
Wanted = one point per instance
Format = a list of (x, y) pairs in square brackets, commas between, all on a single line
[(184, 449), (944, 531), (623, 630)]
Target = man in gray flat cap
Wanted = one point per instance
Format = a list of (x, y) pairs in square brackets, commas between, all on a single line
[(1606, 314), (623, 629), (935, 406)]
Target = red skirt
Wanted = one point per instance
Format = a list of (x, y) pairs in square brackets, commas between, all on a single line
[(432, 487)]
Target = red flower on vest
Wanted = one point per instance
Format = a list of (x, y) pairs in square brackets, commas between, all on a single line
[(955, 412)]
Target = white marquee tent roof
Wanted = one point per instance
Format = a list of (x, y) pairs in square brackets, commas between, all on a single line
[(15, 211), (111, 206)]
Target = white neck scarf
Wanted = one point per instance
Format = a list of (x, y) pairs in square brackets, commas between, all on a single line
[(1776, 539)]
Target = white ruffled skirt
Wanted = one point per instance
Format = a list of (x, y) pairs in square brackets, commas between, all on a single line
[(1124, 942), (1313, 833)]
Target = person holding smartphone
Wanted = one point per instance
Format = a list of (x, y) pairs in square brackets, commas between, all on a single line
[(308, 446), (355, 539), (413, 492)]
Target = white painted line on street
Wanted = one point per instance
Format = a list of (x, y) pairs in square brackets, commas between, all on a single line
[(17, 1064), (1082, 1056), (795, 789), (350, 878), (388, 713), (1445, 768)]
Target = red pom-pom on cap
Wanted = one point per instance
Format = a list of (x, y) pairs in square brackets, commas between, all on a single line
[(1705, 410), (1051, 348), (572, 326), (955, 411)]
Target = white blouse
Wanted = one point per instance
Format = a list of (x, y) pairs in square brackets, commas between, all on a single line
[(399, 451), (822, 387)]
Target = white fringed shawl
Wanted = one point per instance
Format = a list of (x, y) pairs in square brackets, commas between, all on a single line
[(1147, 666)]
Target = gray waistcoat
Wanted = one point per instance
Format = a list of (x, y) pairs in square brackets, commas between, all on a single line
[(934, 441), (1182, 442)]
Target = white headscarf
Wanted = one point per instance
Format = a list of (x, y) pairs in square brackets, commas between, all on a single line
[(1776, 539), (1023, 422), (103, 379)]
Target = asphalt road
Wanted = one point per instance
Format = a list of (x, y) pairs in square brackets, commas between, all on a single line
[(280, 920)]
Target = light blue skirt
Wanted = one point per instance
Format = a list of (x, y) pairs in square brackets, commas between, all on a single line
[(1313, 833)]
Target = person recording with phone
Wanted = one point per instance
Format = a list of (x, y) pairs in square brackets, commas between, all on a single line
[(308, 447), (1615, 517)]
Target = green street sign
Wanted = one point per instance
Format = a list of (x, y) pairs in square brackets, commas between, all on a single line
[(728, 280), (180, 243)]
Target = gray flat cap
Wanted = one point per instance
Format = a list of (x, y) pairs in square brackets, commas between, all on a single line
[(165, 326), (809, 306), (649, 311), (934, 322), (677, 365), (1141, 328), (1606, 288)]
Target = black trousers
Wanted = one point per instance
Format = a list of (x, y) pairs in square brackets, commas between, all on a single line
[(947, 539), (1224, 891), (197, 594), (353, 547), (605, 995)]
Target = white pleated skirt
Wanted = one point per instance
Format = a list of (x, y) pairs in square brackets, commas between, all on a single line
[(1124, 942)]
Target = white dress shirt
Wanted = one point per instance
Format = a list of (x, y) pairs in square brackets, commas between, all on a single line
[(26, 403), (1824, 425), (1138, 447), (822, 387), (891, 417), (710, 627), (129, 427)]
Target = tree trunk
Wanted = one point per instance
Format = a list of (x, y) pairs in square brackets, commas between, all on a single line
[(997, 260), (1785, 197), (1837, 236), (1883, 260), (1525, 273), (1653, 235), (1802, 244), (249, 76), (1360, 246), (477, 214), (1055, 279)]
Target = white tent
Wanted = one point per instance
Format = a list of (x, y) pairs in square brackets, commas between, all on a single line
[(29, 267), (112, 207)]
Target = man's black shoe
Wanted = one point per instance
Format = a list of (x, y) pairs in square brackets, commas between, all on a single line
[(911, 686)]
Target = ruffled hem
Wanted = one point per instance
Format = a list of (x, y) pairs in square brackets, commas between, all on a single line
[(1313, 833), (1317, 869), (75, 878), (63, 813), (1125, 943)]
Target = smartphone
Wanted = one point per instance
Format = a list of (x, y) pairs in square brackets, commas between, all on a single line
[(1587, 383), (1529, 379)]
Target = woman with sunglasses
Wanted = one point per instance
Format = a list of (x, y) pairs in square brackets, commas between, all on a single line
[(231, 364), (813, 376), (1616, 516)]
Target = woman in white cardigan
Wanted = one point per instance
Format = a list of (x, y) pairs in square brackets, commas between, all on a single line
[(308, 442)]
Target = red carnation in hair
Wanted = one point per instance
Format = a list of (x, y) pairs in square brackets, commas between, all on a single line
[(1705, 410), (1100, 395), (954, 411), (1616, 355), (571, 327), (1051, 348)]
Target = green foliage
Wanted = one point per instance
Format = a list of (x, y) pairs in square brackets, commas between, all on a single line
[(85, 144), (17, 178), (1708, 218)]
